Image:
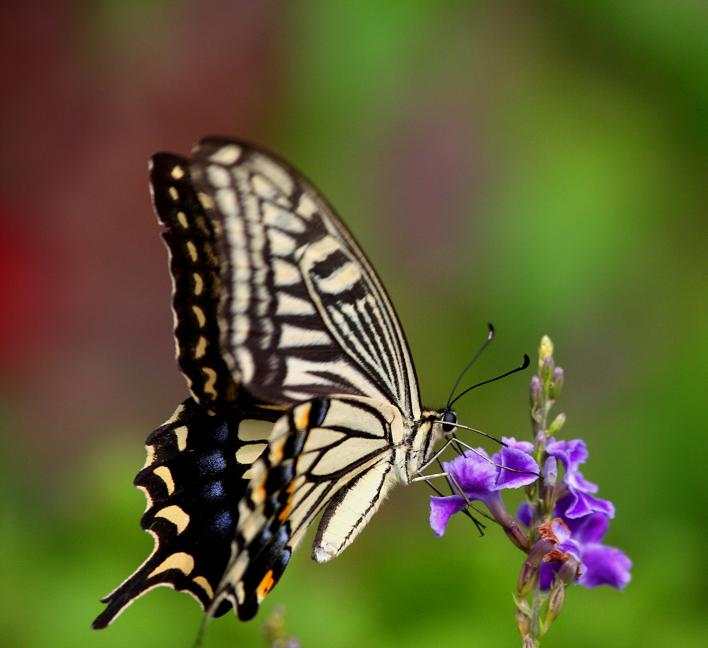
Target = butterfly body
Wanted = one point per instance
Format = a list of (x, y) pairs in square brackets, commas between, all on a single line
[(279, 318)]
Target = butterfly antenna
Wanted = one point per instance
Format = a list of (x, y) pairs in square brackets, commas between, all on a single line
[(485, 344), (523, 366)]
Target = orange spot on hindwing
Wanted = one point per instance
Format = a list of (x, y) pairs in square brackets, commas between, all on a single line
[(276, 451), (282, 516), (302, 416), (265, 585)]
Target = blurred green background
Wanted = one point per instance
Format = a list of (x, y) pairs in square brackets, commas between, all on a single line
[(541, 165)]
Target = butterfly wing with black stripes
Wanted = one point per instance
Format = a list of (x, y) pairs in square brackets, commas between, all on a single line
[(302, 312), (276, 308), (195, 271), (180, 489), (193, 479), (333, 454)]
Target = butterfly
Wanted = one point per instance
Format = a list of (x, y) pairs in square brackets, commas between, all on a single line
[(279, 319)]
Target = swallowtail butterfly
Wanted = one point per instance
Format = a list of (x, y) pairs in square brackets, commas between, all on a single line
[(279, 317)]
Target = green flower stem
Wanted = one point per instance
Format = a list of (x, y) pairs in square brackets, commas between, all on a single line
[(532, 604)]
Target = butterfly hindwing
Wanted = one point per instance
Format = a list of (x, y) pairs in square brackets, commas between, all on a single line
[(335, 454), (193, 480)]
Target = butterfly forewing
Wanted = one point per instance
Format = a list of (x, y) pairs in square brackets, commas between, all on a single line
[(302, 313)]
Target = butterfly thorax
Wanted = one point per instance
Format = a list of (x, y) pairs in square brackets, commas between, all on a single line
[(420, 442)]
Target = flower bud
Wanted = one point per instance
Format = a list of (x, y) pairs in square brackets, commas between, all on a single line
[(523, 624), (535, 392), (540, 440), (555, 602), (556, 424), (275, 630), (569, 571), (529, 571), (549, 472), (523, 618), (527, 578), (522, 606), (545, 351), (556, 382), (547, 370)]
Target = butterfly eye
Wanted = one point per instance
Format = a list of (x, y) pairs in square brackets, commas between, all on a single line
[(449, 418)]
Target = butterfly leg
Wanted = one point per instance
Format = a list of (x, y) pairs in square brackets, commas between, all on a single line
[(435, 457), (455, 488), (494, 463)]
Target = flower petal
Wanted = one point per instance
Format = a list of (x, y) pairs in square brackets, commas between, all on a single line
[(473, 472), (560, 530), (572, 453), (603, 565), (547, 574), (575, 481), (442, 509), (577, 452), (590, 529), (522, 467), (524, 514), (524, 446), (581, 504), (571, 547)]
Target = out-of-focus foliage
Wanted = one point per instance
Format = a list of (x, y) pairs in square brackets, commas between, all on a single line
[(541, 165)]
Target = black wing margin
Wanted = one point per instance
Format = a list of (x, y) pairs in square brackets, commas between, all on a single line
[(193, 482), (195, 270)]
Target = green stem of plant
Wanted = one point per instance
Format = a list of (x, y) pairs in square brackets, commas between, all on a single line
[(539, 418)]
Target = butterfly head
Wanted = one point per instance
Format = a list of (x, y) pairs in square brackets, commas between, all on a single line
[(448, 418)]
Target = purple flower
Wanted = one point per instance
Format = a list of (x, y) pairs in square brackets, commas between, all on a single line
[(586, 519), (578, 502), (481, 480), (599, 564), (603, 565)]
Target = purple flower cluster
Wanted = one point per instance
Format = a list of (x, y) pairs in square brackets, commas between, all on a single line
[(583, 521), (561, 524), (580, 519)]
